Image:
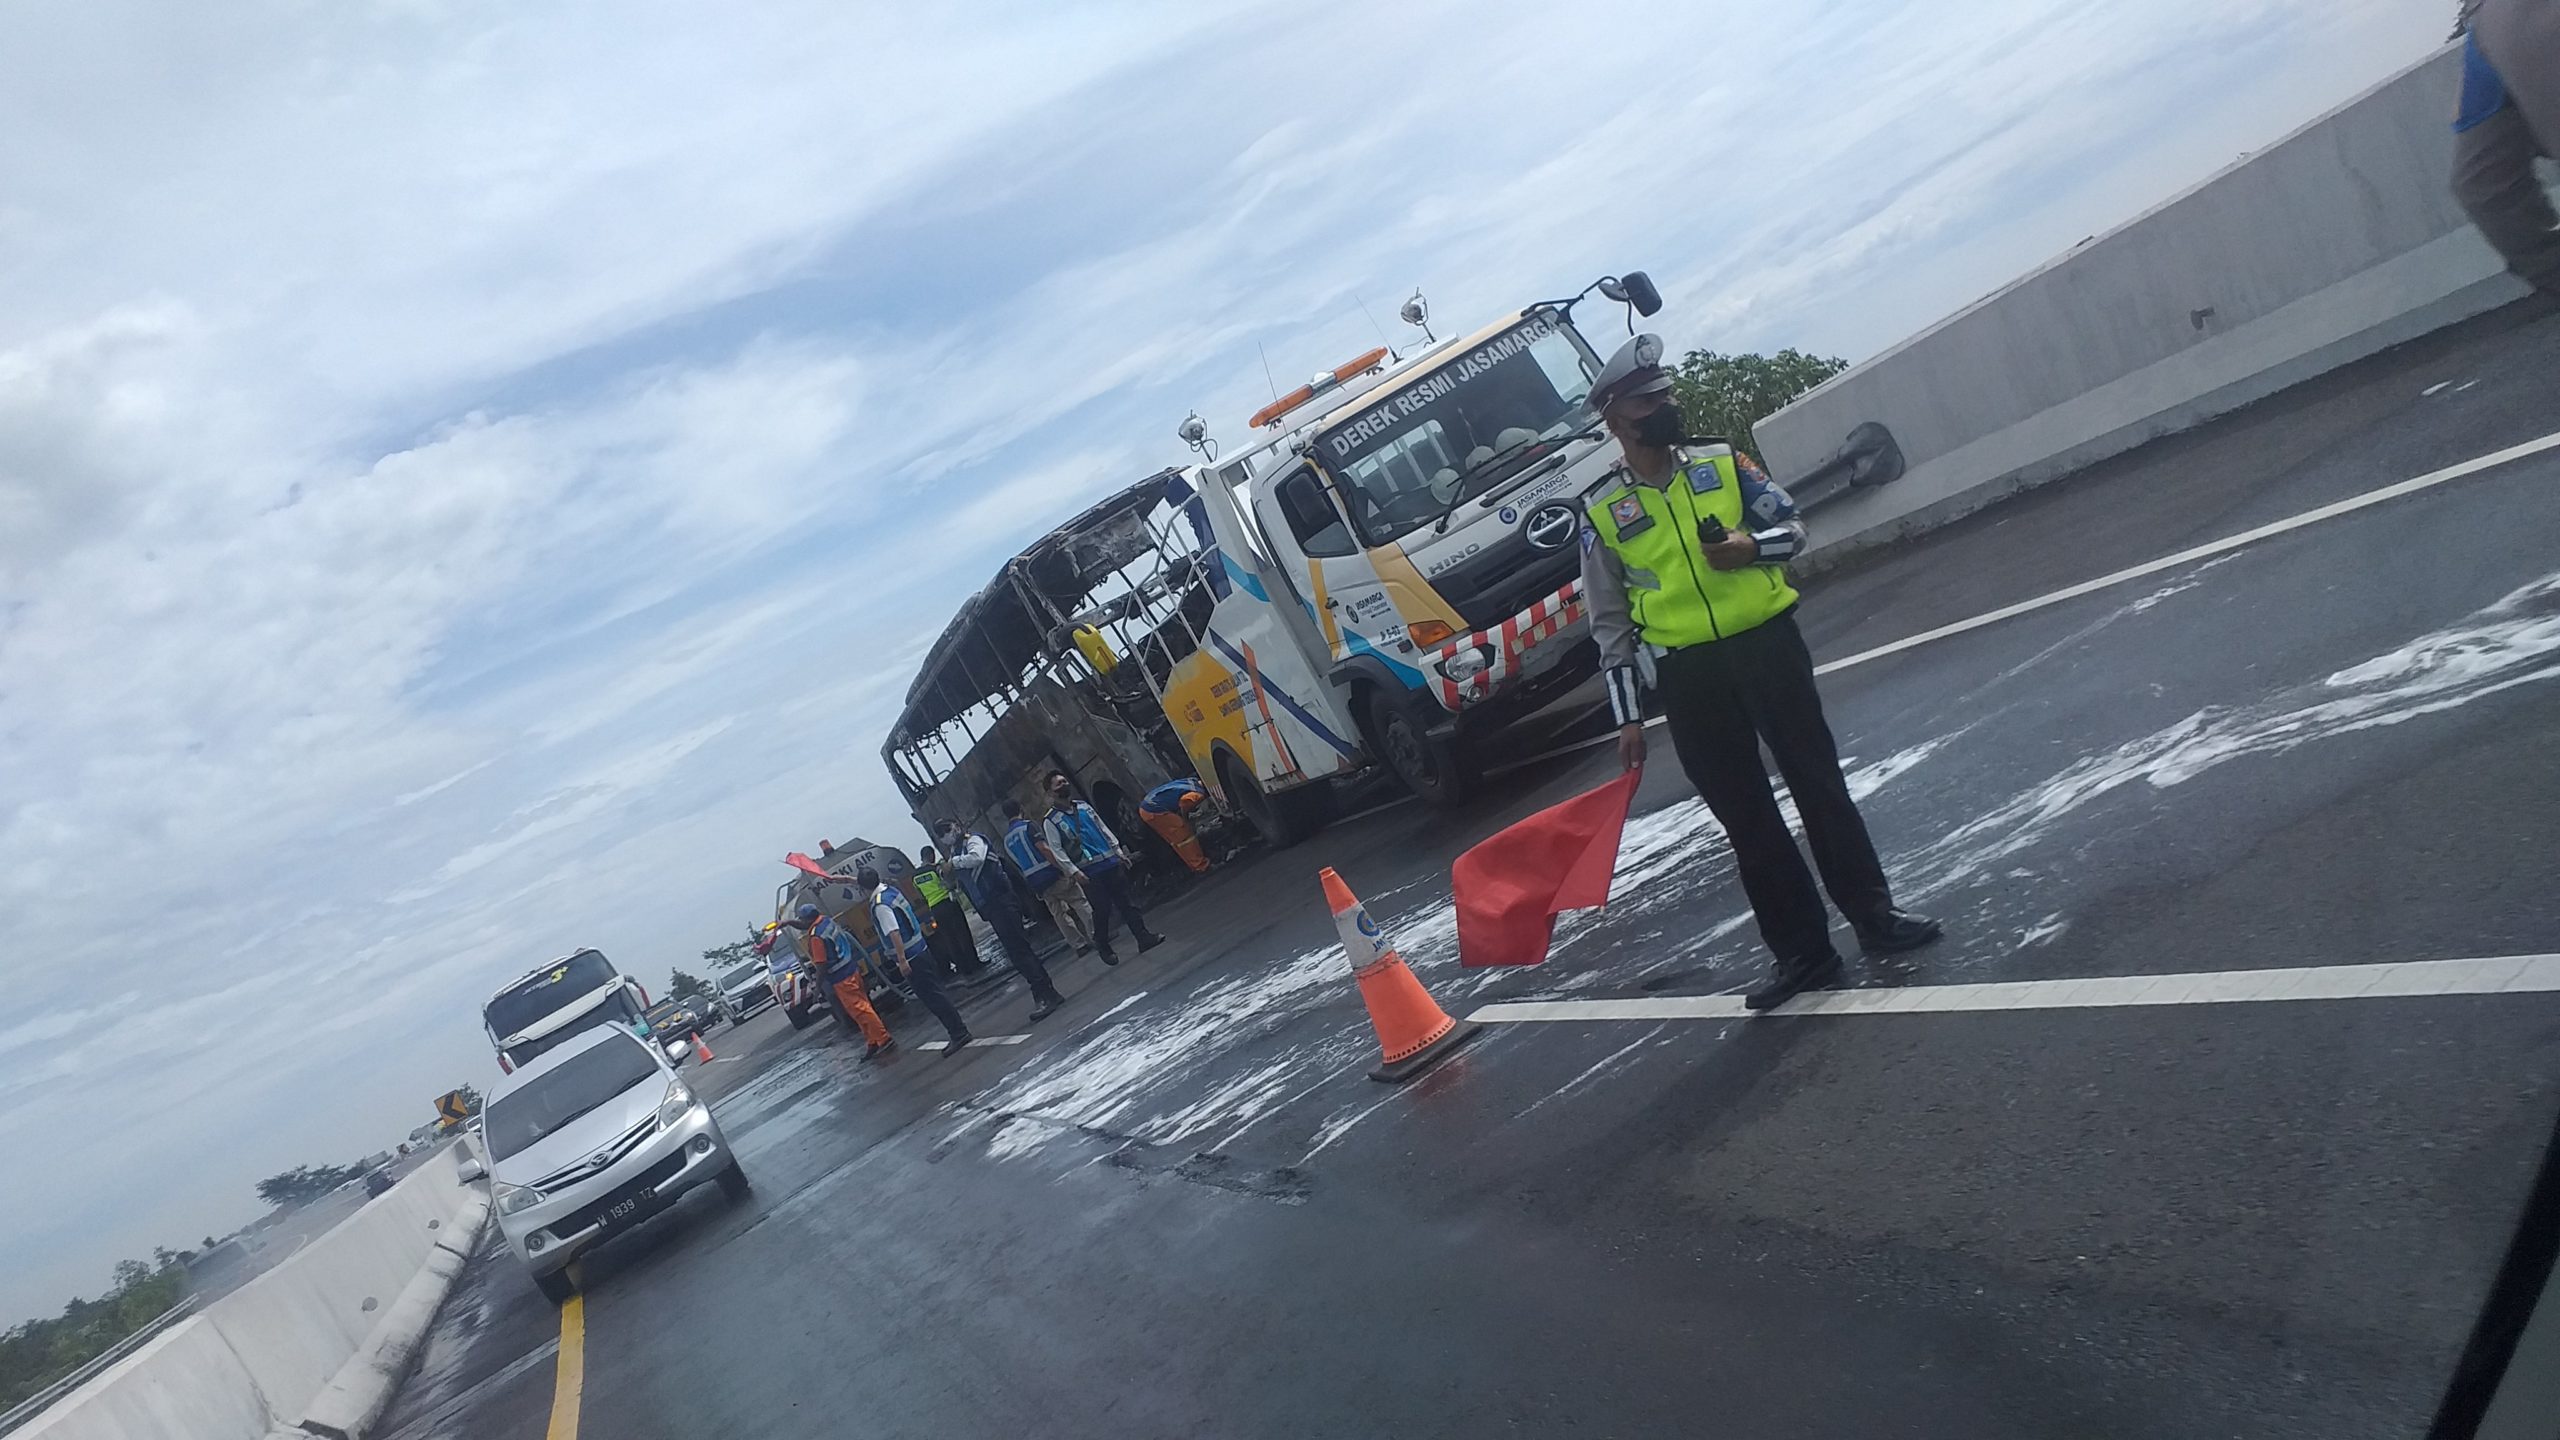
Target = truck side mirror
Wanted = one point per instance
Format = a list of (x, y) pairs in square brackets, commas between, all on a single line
[(1634, 288)]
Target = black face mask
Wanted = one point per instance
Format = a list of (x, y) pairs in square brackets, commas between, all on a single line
[(1664, 427)]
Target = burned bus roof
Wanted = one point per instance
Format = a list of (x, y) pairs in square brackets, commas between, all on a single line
[(997, 633)]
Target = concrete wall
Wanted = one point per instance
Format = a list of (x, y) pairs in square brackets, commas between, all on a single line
[(256, 1359), (2340, 240)]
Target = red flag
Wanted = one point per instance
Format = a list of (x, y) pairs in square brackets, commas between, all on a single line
[(798, 861), (1511, 886)]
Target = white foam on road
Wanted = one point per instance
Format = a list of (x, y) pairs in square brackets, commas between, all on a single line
[(2512, 642), (2415, 979)]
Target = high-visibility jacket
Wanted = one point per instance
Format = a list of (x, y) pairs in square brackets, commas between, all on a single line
[(929, 885), (1037, 873), (1676, 597), (896, 921)]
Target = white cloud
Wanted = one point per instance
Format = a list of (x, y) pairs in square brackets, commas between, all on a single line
[(476, 480)]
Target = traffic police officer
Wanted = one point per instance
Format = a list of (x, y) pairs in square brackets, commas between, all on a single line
[(1686, 551)]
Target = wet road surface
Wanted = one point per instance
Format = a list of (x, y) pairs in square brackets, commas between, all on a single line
[(1180, 1208)]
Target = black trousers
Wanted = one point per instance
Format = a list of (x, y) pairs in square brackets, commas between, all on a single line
[(1107, 889), (929, 990), (951, 940), (1721, 701), (1019, 954)]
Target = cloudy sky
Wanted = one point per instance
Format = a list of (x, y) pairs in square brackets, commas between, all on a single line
[(475, 479)]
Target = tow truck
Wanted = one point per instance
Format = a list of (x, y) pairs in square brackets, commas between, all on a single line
[(1385, 573), (1394, 563)]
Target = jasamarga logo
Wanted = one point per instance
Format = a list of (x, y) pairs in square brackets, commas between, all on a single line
[(1348, 437)]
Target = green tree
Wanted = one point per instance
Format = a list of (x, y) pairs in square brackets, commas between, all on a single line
[(1728, 394), (305, 1183), (680, 985), (735, 952), (39, 1352)]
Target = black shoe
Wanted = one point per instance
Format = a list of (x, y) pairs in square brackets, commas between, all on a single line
[(1149, 942), (1043, 1011), (957, 1041), (876, 1051), (1900, 931), (1792, 978), (1110, 959)]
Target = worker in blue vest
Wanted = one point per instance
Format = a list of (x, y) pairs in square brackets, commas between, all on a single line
[(975, 870), (902, 939), (1078, 842), (1687, 553), (1060, 889)]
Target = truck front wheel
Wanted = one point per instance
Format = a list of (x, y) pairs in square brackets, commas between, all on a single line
[(1435, 770)]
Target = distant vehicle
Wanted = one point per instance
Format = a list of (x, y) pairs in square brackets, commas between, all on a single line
[(746, 989), (377, 1182), (590, 1140), (673, 1022), (804, 998), (572, 994)]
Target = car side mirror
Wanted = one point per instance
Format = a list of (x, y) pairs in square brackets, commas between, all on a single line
[(469, 1168), (1635, 288)]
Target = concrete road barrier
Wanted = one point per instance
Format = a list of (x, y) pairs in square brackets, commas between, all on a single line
[(321, 1340), (2338, 241), (356, 1396)]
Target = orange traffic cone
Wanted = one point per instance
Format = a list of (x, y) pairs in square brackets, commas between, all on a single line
[(1412, 1029), (700, 1050)]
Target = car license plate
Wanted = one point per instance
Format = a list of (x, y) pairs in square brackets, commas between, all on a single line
[(628, 1209)]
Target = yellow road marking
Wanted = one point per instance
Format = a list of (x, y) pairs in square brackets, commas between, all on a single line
[(573, 1369)]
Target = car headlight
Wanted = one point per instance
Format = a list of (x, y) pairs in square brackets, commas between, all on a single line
[(678, 1103), (1467, 664), (512, 1198)]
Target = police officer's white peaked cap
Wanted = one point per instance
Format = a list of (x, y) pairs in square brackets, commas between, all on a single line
[(1635, 370)]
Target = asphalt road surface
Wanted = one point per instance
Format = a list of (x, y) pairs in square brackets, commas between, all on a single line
[(1181, 1209)]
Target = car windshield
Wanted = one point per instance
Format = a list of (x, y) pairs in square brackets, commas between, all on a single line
[(515, 1121), (529, 1001), (746, 974), (1461, 429)]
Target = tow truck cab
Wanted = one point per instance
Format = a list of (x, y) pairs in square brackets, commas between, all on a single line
[(1396, 563)]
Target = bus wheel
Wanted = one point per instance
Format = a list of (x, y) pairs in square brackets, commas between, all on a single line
[(1284, 819)]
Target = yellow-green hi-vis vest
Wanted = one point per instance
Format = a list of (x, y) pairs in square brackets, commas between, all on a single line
[(1675, 596)]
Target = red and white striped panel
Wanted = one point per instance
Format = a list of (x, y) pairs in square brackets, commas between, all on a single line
[(1509, 642)]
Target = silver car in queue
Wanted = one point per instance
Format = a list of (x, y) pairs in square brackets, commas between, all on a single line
[(588, 1140)]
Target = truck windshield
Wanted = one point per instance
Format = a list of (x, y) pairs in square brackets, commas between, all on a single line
[(529, 1001), (1470, 423)]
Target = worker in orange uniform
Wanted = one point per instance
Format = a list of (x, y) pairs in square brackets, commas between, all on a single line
[(832, 950), (1164, 809)]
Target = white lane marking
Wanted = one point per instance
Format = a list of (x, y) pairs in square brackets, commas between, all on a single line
[(2427, 481), (2393, 491), (2493, 975), (974, 1040)]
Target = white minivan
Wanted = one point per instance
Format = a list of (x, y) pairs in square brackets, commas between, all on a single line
[(589, 1139)]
